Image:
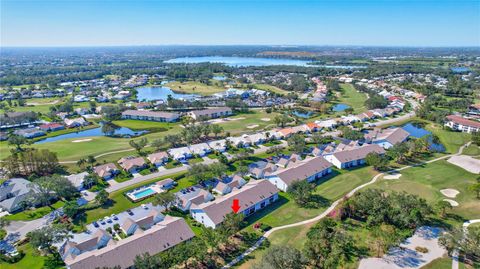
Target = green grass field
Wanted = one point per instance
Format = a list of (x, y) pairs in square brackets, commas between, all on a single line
[(351, 97), (34, 213), (196, 87), (32, 260)]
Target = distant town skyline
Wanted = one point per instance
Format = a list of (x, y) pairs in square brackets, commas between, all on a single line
[(336, 23)]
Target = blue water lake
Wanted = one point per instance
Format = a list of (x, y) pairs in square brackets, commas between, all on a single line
[(460, 69), (417, 131), (122, 131), (340, 107), (253, 61), (219, 78), (161, 93), (302, 114)]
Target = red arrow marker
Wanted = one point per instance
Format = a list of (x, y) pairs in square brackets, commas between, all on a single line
[(235, 205)]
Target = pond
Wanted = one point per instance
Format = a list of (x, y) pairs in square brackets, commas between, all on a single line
[(160, 93), (340, 107), (219, 78), (460, 69), (121, 132), (416, 130), (302, 114), (253, 61)]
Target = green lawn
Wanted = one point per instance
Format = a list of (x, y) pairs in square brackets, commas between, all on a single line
[(145, 125), (351, 97), (34, 213), (472, 150), (255, 119), (451, 140), (31, 260), (427, 180), (196, 87), (440, 263)]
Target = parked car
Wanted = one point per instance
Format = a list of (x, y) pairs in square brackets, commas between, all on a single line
[(144, 206), (107, 219), (95, 224), (102, 221), (113, 216), (129, 212)]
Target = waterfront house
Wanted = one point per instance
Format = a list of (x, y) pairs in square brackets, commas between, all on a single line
[(76, 122), (51, 127), (459, 123), (29, 132), (386, 138)]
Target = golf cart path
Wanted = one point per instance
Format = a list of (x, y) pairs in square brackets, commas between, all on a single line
[(332, 207)]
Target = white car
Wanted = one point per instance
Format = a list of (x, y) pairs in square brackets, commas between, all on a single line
[(144, 206)]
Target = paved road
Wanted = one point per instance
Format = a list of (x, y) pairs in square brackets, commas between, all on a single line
[(455, 253), (331, 208)]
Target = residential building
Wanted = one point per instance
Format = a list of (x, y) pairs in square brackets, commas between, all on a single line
[(159, 237), (76, 122), (211, 113), (158, 158), (191, 196), (150, 115), (386, 138), (180, 154), (229, 184), (462, 124), (218, 145), (77, 179), (200, 149), (132, 164), (14, 192), (30, 132), (252, 197), (309, 169), (51, 127), (354, 157), (106, 171)]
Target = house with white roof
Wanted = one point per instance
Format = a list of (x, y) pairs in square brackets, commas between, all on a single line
[(180, 154), (218, 145), (200, 149)]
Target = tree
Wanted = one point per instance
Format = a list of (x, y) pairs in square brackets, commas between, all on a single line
[(376, 160), (146, 261), (91, 160), (282, 257), (475, 188), (172, 140), (109, 128), (157, 144), (49, 188), (398, 152), (384, 237), (71, 209), (297, 143), (476, 138), (327, 245), (301, 191), (18, 141), (442, 206), (138, 146), (218, 169), (199, 172), (216, 129), (45, 237), (31, 162), (351, 134), (282, 120), (102, 197), (81, 163), (164, 199), (319, 139), (466, 241), (376, 101), (232, 223)]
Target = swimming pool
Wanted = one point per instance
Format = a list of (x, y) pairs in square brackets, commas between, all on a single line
[(143, 193)]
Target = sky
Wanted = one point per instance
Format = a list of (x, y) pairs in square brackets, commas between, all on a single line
[(228, 22)]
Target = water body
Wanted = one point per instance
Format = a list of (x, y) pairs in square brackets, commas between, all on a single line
[(417, 131), (161, 93), (460, 69), (253, 61), (302, 114), (340, 107), (122, 131), (219, 78)]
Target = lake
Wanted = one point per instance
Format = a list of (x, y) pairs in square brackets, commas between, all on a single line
[(340, 107), (219, 78), (253, 61), (160, 93), (122, 131), (417, 131), (460, 69), (302, 114)]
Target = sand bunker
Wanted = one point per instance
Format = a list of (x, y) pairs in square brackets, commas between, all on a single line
[(392, 176), (452, 202), (252, 126), (450, 193), (265, 119), (82, 140), (468, 163)]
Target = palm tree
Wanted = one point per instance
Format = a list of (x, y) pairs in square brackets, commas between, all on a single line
[(164, 199), (81, 163), (443, 206), (217, 129)]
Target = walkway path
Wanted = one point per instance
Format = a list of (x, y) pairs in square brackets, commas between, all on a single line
[(455, 253), (332, 207)]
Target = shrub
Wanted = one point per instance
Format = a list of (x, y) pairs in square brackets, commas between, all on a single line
[(421, 249)]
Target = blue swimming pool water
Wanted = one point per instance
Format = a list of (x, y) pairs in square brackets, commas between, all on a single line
[(143, 193)]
